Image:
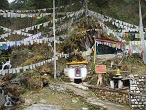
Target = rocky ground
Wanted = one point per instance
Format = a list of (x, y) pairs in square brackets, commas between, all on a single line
[(55, 96), (82, 99), (65, 96)]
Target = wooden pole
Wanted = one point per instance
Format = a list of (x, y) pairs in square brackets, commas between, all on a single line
[(95, 52)]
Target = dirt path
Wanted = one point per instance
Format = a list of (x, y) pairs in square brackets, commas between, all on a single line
[(83, 91)]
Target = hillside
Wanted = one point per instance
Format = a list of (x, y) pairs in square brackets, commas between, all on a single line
[(27, 43), (125, 10), (72, 34)]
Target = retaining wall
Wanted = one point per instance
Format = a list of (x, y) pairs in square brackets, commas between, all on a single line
[(138, 92), (135, 96)]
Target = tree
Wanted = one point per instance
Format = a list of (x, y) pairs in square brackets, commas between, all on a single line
[(4, 4), (31, 4), (20, 4), (44, 4)]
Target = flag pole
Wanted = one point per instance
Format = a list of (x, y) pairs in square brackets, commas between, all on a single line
[(141, 27), (86, 13), (54, 39)]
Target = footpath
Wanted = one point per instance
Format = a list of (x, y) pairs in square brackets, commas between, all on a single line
[(80, 90)]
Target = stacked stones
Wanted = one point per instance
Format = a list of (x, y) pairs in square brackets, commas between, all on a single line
[(116, 96), (136, 96), (57, 87), (138, 92)]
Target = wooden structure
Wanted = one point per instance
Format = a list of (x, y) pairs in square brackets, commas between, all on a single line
[(99, 70), (110, 43)]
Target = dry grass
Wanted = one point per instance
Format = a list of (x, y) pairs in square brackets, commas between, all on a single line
[(62, 99), (32, 60)]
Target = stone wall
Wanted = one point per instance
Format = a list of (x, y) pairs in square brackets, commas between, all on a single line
[(135, 96), (138, 92), (112, 95)]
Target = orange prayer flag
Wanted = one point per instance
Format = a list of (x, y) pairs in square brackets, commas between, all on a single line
[(48, 19)]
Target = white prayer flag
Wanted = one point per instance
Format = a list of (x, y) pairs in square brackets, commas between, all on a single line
[(31, 67), (3, 72), (10, 71), (14, 70)]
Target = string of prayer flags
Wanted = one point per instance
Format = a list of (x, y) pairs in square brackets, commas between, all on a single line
[(21, 31), (126, 26), (38, 10), (5, 29), (32, 66)]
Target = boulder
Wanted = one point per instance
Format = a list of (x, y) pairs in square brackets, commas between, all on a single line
[(2, 99), (42, 101), (43, 107), (28, 102)]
